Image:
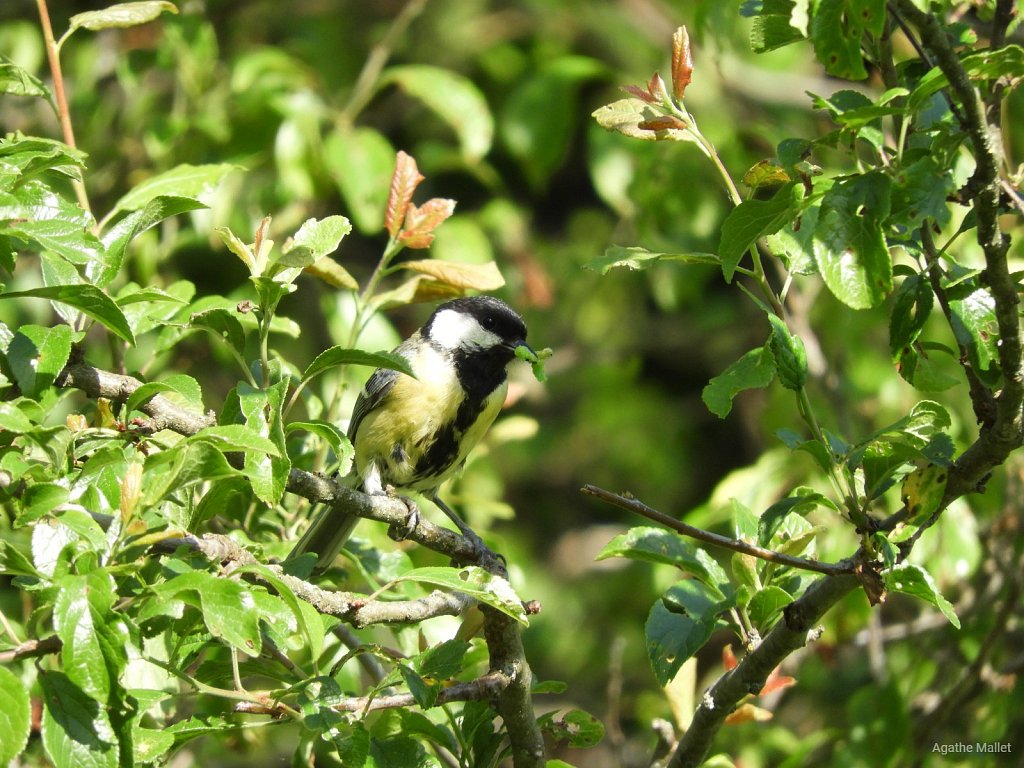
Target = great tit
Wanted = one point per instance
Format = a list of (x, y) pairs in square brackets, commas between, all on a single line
[(415, 433)]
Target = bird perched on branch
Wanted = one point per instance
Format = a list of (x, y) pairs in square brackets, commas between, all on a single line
[(412, 434)]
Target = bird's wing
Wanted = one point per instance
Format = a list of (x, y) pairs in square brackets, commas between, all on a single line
[(376, 389)]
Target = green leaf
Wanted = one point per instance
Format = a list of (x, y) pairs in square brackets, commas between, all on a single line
[(360, 160), (118, 237), (579, 729), (76, 729), (477, 583), (766, 606), (176, 469), (335, 356), (93, 640), (262, 411), (121, 15), (636, 258), (771, 27), (235, 437), (184, 387), (68, 238), (789, 354), (753, 219), (849, 245), (15, 716), (221, 323), (425, 693), (923, 491), (306, 617), (86, 298), (914, 580), (911, 306), (189, 181), (656, 545), (443, 661), (14, 420), (678, 625), (755, 369), (975, 327), (19, 82), (773, 517), (314, 240), (326, 431), (454, 98), (1003, 63), (14, 563), (918, 368), (130, 294), (228, 610), (919, 193), (37, 355), (627, 115), (836, 29)]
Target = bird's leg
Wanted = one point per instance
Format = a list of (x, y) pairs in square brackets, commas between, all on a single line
[(484, 553)]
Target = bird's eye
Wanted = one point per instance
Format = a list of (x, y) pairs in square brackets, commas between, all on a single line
[(489, 323)]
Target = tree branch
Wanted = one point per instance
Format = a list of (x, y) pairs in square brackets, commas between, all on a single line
[(1005, 433), (795, 631), (736, 545), (508, 659)]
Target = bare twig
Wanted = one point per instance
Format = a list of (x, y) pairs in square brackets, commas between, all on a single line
[(63, 112), (485, 687), (30, 649), (736, 545)]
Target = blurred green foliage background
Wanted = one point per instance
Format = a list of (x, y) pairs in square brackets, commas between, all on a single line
[(273, 88)]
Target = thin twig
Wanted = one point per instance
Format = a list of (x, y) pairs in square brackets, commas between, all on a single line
[(63, 112), (736, 545), (366, 81)]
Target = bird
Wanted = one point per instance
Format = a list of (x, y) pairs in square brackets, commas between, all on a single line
[(414, 433)]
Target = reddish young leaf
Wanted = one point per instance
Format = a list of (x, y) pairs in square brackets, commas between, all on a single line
[(663, 123), (656, 88), (421, 221), (682, 63), (748, 713), (640, 93), (776, 682), (729, 658), (403, 183)]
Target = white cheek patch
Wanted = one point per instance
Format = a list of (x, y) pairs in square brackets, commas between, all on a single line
[(452, 330)]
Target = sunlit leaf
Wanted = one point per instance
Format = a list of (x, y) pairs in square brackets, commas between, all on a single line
[(464, 277), (477, 583), (335, 356), (914, 580), (121, 15), (15, 716), (754, 370), (753, 219), (189, 181), (86, 298), (636, 258), (849, 244)]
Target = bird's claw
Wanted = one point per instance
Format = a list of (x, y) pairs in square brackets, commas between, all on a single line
[(412, 519)]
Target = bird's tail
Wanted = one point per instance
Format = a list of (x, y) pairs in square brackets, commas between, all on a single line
[(325, 536)]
